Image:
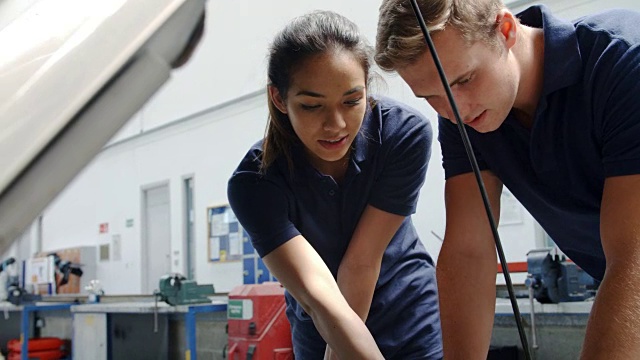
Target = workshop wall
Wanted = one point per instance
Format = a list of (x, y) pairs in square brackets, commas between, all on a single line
[(201, 124)]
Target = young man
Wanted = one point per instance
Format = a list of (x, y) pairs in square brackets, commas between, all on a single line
[(552, 109)]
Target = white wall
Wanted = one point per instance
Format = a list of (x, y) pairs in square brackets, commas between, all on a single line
[(156, 146), (109, 191)]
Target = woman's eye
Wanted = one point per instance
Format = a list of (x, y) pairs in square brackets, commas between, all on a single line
[(353, 102), (309, 107)]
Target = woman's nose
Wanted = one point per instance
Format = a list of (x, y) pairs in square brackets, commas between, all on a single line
[(334, 121)]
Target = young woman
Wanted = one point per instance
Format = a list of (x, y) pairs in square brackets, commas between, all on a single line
[(327, 198)]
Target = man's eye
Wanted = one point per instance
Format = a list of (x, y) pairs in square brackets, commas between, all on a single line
[(464, 81)]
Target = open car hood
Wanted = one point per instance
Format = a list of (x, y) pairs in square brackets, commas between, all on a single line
[(72, 72)]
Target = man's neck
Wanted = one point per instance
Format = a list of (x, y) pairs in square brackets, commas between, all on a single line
[(529, 53)]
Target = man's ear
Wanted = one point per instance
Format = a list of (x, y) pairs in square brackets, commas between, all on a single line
[(276, 99), (507, 27)]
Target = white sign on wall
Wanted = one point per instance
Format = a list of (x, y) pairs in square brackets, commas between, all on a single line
[(39, 271), (510, 209)]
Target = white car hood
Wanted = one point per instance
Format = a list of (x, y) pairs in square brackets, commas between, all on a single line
[(72, 72)]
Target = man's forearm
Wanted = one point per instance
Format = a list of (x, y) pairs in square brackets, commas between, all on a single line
[(467, 305), (612, 331)]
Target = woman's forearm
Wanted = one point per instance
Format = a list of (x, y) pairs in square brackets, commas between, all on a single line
[(340, 326), (357, 284)]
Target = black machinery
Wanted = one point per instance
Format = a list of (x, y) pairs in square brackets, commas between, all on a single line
[(4, 278), (5, 264), (554, 279), (10, 289), (19, 296), (65, 269)]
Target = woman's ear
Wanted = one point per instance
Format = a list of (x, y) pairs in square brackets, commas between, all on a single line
[(276, 98), (507, 27)]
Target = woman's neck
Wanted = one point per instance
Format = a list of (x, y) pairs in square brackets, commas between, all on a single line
[(336, 169)]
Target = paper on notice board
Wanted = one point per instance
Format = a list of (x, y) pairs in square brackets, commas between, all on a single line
[(219, 226), (214, 248), (234, 244)]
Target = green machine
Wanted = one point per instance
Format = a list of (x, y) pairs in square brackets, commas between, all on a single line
[(177, 290)]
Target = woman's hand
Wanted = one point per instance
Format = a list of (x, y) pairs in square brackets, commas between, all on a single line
[(330, 355)]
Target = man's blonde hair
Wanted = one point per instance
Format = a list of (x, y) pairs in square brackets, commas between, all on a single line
[(400, 42)]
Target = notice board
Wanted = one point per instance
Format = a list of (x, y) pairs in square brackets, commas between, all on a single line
[(225, 234)]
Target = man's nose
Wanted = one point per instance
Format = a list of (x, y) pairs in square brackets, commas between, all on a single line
[(462, 106)]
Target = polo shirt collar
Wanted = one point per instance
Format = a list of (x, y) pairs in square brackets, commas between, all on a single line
[(562, 59), (369, 132)]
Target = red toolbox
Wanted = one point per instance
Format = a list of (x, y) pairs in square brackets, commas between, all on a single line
[(257, 325)]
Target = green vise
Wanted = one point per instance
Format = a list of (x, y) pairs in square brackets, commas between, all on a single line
[(177, 290)]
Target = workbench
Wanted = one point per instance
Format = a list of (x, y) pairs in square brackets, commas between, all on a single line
[(105, 331), (559, 328), (22, 326)]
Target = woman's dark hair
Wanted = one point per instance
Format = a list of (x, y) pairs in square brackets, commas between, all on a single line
[(306, 36)]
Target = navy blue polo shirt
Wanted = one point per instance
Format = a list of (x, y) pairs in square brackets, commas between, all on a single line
[(386, 170), (586, 128)]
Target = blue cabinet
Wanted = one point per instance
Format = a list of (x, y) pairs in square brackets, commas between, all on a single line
[(254, 270), (248, 271)]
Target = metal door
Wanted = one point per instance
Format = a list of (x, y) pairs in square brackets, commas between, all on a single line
[(156, 237)]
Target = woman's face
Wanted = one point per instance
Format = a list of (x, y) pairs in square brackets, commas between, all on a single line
[(326, 103)]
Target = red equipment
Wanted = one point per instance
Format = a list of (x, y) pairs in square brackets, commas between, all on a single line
[(46, 348), (257, 326), (39, 355)]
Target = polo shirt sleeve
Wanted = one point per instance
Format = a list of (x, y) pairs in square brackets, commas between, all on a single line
[(408, 149), (454, 156), (262, 208), (620, 114)]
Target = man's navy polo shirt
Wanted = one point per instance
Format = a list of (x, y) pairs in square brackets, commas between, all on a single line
[(586, 128), (386, 170)]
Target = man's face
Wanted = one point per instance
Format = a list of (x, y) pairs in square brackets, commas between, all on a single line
[(483, 80)]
